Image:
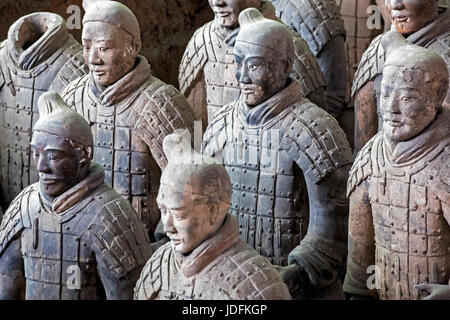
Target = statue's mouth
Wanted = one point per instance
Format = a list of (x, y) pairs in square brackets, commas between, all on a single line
[(49, 181), (400, 18)]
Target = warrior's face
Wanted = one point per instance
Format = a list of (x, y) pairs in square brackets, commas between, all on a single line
[(260, 74), (109, 51), (186, 216), (406, 106), (226, 12), (58, 164), (408, 16)]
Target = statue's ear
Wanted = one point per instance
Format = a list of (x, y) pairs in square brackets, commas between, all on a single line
[(86, 157), (213, 212), (137, 44)]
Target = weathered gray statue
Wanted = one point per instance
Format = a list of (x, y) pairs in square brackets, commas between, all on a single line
[(39, 55), (282, 151), (207, 70), (69, 236), (129, 110), (205, 259), (399, 186), (423, 23), (320, 24)]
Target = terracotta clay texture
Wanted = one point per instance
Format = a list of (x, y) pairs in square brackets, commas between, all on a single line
[(69, 236), (399, 185), (288, 160), (320, 24), (207, 70), (129, 110), (358, 36), (205, 259), (428, 27), (38, 55)]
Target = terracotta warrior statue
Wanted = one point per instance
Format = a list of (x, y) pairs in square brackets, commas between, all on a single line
[(320, 24), (287, 158), (423, 24), (207, 69), (129, 110), (39, 55), (69, 236), (399, 185), (205, 258)]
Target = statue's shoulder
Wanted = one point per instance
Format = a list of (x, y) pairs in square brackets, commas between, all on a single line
[(20, 214), (153, 274), (317, 21), (117, 235), (439, 175), (198, 51), (314, 140), (250, 276), (363, 167), (215, 135), (371, 65)]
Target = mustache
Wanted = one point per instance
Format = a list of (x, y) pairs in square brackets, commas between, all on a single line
[(43, 176), (249, 86)]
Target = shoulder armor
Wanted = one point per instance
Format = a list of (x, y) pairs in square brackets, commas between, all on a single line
[(440, 171), (315, 141), (73, 93), (215, 135), (362, 167), (247, 266), (73, 68), (166, 111), (15, 218), (198, 51), (371, 65), (118, 236), (317, 21), (306, 68), (150, 282)]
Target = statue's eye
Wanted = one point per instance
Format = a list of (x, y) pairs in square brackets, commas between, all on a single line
[(407, 99), (52, 157), (102, 49)]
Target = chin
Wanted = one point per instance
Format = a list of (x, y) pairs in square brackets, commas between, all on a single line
[(52, 191)]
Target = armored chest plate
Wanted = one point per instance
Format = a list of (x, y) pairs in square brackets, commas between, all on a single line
[(411, 233), (58, 260), (269, 195)]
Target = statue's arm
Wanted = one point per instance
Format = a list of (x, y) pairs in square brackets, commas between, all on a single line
[(333, 63), (361, 243), (12, 276), (366, 118), (321, 254)]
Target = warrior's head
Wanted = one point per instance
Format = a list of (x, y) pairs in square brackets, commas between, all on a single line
[(194, 195), (61, 146), (226, 12), (111, 41), (408, 16), (264, 54), (414, 86)]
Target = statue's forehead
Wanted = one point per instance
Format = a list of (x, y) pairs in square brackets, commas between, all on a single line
[(49, 141), (100, 31)]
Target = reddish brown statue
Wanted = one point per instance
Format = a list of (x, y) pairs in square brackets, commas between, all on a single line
[(205, 259), (399, 185), (129, 110), (207, 70), (69, 236), (39, 55), (288, 161), (423, 24)]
